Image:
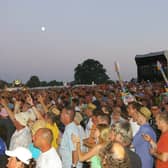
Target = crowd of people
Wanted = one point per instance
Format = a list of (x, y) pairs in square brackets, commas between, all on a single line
[(85, 127)]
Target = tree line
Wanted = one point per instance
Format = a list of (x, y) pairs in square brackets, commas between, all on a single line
[(87, 72)]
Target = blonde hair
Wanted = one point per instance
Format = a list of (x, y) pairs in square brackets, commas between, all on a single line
[(104, 130)]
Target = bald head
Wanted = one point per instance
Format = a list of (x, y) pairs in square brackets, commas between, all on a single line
[(43, 138), (46, 135)]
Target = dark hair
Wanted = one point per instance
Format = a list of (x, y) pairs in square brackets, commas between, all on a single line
[(70, 112), (51, 116), (32, 163), (135, 105)]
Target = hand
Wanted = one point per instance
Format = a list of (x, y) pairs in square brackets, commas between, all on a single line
[(75, 139), (152, 151), (146, 137)]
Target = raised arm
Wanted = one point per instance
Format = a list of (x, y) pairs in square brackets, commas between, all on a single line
[(40, 98), (29, 100), (84, 156)]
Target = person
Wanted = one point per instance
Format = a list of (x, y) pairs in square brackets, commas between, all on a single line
[(140, 145), (22, 135), (116, 115), (49, 119), (20, 158), (67, 149), (113, 155), (132, 109), (3, 147), (49, 157), (160, 150), (34, 150), (155, 110), (122, 133), (102, 137)]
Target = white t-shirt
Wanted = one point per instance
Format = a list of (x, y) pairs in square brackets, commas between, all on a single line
[(49, 159), (20, 138), (135, 127)]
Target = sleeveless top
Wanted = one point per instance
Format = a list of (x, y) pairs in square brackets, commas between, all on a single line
[(95, 162)]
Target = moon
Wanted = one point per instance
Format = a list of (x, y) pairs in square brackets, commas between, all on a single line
[(43, 28)]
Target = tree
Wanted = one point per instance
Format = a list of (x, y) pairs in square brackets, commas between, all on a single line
[(3, 84), (55, 83), (33, 82), (90, 70)]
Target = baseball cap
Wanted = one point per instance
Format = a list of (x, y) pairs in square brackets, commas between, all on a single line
[(23, 154)]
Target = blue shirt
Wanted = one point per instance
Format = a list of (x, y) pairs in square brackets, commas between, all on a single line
[(67, 146), (142, 147), (34, 151)]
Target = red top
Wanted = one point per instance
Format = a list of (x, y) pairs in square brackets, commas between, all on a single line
[(162, 146)]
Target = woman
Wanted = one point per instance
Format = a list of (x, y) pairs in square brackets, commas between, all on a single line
[(101, 138), (20, 158), (113, 155)]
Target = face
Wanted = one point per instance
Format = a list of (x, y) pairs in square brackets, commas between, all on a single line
[(140, 119), (112, 135), (116, 116), (65, 117), (118, 138), (158, 122), (154, 110), (37, 139), (88, 112), (13, 163), (130, 110)]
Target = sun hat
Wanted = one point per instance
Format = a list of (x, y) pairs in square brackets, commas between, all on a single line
[(91, 106), (24, 117), (145, 112), (37, 125), (21, 153)]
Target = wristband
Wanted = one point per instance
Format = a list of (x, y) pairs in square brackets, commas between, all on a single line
[(73, 166)]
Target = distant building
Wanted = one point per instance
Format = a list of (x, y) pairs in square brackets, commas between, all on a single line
[(147, 66)]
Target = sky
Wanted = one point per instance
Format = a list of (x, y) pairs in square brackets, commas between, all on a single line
[(104, 30)]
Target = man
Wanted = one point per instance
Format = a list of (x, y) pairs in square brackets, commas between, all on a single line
[(67, 150), (116, 115), (155, 111), (160, 150), (22, 136), (141, 146), (132, 109), (49, 157), (122, 133), (87, 121)]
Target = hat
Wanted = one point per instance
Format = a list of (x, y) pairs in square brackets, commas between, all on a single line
[(37, 125), (145, 112), (54, 110), (24, 117), (23, 154), (78, 117), (91, 106)]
